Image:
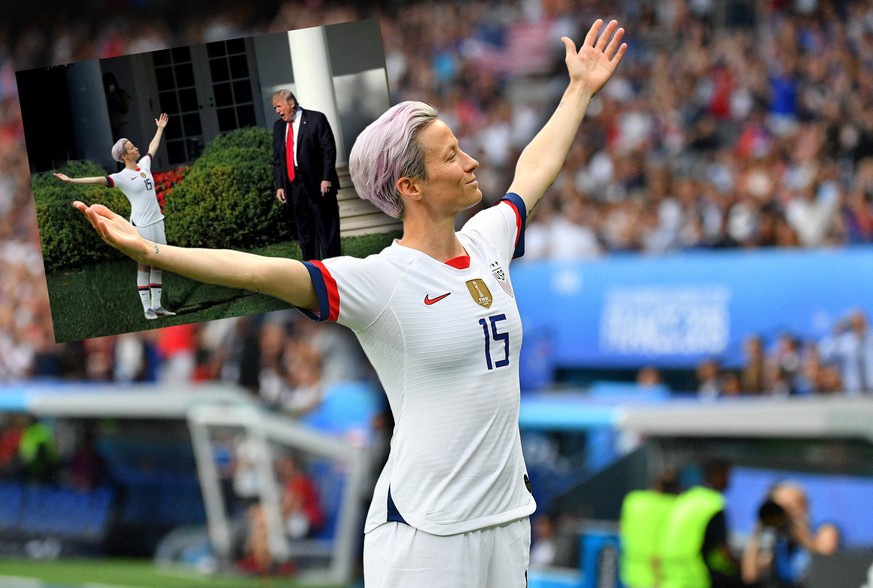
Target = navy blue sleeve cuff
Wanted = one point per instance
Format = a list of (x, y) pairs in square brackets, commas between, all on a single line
[(320, 294), (516, 202)]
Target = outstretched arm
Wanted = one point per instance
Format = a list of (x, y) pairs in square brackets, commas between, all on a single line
[(286, 279), (97, 180), (156, 141), (589, 69)]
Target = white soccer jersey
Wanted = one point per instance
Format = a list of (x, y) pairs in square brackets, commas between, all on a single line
[(444, 339), (139, 187)]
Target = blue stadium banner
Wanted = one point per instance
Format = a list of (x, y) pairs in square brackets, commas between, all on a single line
[(673, 311)]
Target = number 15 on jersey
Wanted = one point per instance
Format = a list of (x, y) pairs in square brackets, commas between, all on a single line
[(492, 333)]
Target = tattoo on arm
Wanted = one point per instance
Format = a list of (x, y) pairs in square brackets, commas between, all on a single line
[(157, 249), (534, 207)]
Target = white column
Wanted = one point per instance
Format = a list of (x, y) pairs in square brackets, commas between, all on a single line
[(313, 79)]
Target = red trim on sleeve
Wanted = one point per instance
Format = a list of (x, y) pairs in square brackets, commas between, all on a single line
[(110, 182), (333, 297), (460, 262), (517, 221)]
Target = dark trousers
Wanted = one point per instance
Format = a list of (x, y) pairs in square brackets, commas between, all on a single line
[(318, 226)]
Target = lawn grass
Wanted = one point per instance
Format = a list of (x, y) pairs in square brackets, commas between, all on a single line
[(125, 573), (101, 299)]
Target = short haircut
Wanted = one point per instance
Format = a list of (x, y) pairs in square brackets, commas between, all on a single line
[(387, 150), (118, 150), (286, 95)]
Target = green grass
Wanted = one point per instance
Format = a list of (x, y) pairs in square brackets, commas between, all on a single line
[(121, 573), (101, 299)]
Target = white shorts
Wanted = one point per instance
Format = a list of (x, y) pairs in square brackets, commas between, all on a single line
[(153, 232), (400, 556)]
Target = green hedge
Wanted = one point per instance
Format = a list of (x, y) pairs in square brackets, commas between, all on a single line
[(67, 238), (226, 199)]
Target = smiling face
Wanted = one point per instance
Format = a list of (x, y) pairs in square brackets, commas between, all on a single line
[(451, 181), (131, 152), (284, 108)]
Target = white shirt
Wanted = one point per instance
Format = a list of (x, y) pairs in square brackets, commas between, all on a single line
[(139, 187), (569, 240), (855, 356), (295, 124), (445, 343)]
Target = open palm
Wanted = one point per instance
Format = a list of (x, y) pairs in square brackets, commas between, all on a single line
[(597, 58), (113, 229)]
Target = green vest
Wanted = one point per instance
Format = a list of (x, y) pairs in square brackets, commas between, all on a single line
[(32, 438), (643, 513), (681, 544)]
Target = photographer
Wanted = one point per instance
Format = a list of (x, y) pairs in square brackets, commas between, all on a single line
[(779, 553)]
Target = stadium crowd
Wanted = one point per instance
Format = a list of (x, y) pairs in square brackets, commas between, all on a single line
[(732, 125)]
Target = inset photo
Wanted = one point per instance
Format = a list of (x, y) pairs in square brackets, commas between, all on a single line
[(239, 144)]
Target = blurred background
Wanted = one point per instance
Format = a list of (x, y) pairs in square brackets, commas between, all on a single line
[(696, 286)]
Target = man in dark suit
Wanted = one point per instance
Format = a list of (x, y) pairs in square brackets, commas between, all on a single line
[(305, 175)]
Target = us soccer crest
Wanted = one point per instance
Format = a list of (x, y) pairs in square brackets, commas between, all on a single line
[(142, 174), (480, 292), (501, 278)]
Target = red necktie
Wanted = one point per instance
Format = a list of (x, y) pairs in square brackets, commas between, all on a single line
[(289, 152)]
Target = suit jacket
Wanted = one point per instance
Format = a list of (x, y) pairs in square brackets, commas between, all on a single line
[(316, 152)]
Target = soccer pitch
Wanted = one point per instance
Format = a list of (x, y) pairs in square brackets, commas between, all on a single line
[(122, 573)]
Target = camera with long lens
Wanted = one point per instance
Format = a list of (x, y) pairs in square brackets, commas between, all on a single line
[(774, 520)]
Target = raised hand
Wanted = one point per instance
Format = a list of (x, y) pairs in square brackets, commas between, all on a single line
[(114, 230), (62, 177), (161, 121), (597, 58)]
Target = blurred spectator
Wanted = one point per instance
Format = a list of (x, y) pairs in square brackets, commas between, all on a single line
[(10, 439), (176, 347), (709, 384), (306, 388), (301, 512), (812, 208), (99, 358), (694, 548), (731, 384), (851, 347), (858, 217), (571, 235), (753, 375), (38, 453), (86, 468), (784, 367), (648, 377), (544, 547), (244, 472), (643, 513), (132, 357), (778, 554), (272, 378), (341, 357)]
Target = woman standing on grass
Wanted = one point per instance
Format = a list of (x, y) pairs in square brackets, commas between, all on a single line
[(436, 314), (138, 185)]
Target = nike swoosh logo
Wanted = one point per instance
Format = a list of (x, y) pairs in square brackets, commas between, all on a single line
[(428, 300)]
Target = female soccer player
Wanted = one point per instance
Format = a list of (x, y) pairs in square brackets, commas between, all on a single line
[(137, 183), (435, 313)]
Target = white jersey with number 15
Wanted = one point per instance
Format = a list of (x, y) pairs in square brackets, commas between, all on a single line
[(444, 339), (139, 187)]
